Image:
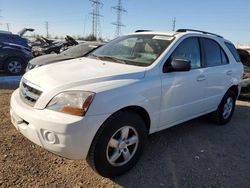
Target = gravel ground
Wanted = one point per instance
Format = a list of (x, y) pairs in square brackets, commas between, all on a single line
[(193, 154)]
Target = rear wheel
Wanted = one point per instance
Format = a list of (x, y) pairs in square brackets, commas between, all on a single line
[(226, 108), (14, 66), (118, 144)]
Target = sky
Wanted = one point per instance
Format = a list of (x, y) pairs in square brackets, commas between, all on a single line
[(229, 18)]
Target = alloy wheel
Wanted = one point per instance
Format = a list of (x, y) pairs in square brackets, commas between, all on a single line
[(15, 67), (122, 146), (228, 107)]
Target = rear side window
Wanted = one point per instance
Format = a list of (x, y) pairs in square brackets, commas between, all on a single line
[(233, 51), (214, 54)]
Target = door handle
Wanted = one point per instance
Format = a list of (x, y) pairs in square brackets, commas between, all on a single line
[(201, 78), (229, 72)]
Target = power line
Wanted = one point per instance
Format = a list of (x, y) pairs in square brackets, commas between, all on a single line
[(174, 23), (119, 10), (96, 25)]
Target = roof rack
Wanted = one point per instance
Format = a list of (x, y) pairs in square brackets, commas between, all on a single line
[(142, 30), (204, 32)]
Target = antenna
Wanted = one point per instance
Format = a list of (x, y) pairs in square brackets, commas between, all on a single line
[(119, 10), (174, 22), (96, 25)]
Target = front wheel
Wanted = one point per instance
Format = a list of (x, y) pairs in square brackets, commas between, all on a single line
[(118, 144), (226, 108), (14, 66)]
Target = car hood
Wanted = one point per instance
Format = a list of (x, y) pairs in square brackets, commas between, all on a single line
[(80, 72), (49, 58)]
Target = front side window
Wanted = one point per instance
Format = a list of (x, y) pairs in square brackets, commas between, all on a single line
[(188, 49), (139, 50)]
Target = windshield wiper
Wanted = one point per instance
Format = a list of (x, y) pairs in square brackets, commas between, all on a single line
[(94, 56), (112, 59)]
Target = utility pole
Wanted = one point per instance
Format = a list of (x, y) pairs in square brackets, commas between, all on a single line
[(47, 28), (96, 25), (8, 26), (0, 16), (174, 22), (119, 10)]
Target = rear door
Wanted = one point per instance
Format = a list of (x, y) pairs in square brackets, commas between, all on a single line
[(218, 73)]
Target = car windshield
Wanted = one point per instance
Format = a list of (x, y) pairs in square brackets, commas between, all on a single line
[(79, 50), (139, 50)]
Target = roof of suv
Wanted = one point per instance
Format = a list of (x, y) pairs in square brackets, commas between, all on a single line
[(181, 32), (155, 32)]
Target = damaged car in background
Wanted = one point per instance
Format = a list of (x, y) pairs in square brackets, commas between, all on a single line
[(77, 51), (245, 59), (43, 45)]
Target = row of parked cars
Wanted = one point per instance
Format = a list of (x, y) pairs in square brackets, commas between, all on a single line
[(16, 51)]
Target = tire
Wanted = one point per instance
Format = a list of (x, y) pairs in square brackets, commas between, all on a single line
[(226, 109), (14, 66), (111, 159)]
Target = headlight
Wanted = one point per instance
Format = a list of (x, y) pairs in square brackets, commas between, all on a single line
[(72, 102), (31, 66)]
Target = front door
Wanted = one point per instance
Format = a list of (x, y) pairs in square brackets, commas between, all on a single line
[(182, 92)]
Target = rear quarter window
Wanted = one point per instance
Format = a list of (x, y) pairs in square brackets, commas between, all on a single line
[(233, 50)]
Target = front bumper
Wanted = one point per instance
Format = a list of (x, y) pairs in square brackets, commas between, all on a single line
[(65, 135)]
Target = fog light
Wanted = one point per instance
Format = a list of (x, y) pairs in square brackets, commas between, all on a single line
[(50, 137)]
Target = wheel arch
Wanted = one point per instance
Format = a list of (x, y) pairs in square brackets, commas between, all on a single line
[(142, 112), (13, 57), (235, 89)]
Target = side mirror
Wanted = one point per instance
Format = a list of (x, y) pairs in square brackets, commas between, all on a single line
[(178, 65)]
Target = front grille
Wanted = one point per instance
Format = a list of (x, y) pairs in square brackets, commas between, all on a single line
[(29, 94)]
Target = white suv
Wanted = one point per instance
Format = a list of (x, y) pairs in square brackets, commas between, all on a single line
[(102, 107)]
